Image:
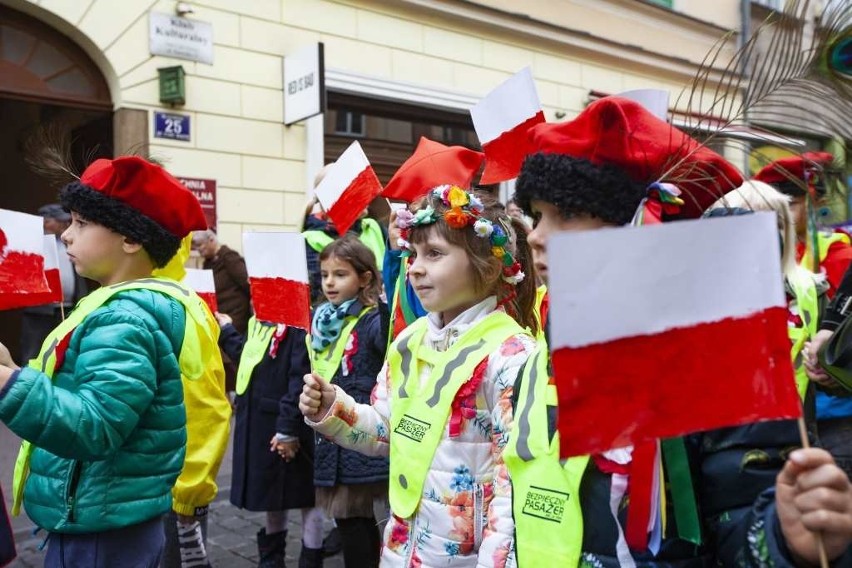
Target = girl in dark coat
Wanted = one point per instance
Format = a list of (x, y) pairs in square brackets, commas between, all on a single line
[(348, 349), (273, 455)]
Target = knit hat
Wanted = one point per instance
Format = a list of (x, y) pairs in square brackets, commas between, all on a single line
[(431, 165), (139, 200), (606, 160), (792, 175)]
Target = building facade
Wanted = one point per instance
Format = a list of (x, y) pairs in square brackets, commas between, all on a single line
[(394, 70)]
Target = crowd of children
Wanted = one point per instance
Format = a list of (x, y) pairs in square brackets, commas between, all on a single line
[(439, 421)]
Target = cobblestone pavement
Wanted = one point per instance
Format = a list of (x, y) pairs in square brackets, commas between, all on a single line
[(231, 532)]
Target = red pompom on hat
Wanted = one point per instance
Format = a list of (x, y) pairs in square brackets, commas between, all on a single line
[(150, 190), (622, 133), (789, 175), (431, 165)]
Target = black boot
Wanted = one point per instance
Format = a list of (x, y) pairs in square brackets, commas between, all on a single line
[(270, 549), (332, 544), (310, 557)]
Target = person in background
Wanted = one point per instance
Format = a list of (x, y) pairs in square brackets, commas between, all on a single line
[(514, 211), (745, 498), (208, 425), (442, 406), (348, 346), (101, 409), (833, 402), (229, 276), (273, 451), (233, 295), (38, 321), (791, 176)]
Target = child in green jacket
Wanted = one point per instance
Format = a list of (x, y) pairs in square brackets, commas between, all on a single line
[(101, 408)]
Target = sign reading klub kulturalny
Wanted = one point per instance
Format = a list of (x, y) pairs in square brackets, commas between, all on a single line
[(179, 37)]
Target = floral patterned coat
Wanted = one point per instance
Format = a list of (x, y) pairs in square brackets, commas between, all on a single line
[(465, 514)]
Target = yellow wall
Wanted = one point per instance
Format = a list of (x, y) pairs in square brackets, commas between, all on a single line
[(236, 104)]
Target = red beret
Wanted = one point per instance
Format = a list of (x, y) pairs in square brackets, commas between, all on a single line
[(150, 190), (790, 169), (622, 133), (431, 165)]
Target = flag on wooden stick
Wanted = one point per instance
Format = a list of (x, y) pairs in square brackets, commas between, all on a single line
[(278, 277), (665, 330), (502, 120), (348, 188), (202, 282)]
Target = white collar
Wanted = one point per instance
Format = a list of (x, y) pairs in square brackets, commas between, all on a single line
[(441, 338)]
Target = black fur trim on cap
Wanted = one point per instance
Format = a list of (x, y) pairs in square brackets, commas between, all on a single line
[(793, 189), (160, 244), (577, 186)]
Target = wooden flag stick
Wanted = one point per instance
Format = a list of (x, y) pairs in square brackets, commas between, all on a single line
[(823, 557)]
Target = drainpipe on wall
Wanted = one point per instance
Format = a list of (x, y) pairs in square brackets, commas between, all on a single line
[(314, 151), (745, 34)]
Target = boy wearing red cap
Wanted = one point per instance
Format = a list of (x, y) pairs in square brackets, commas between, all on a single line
[(797, 176), (725, 506), (101, 408)]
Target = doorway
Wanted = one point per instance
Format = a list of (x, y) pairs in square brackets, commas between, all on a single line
[(46, 82)]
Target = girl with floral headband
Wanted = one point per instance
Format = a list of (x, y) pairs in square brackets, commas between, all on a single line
[(442, 407)]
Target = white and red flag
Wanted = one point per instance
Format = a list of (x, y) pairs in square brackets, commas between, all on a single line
[(22, 268), (201, 281), (348, 188), (502, 120), (278, 277), (668, 329)]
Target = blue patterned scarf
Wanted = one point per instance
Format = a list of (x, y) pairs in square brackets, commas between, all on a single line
[(328, 323)]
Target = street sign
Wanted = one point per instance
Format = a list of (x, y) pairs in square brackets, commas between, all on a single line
[(171, 126), (205, 191), (176, 36), (304, 84)]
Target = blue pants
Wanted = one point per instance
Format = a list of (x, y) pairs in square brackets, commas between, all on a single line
[(136, 546)]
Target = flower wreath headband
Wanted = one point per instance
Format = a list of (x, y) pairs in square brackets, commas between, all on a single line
[(464, 209)]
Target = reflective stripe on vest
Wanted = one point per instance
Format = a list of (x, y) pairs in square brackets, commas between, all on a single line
[(259, 335), (419, 411), (824, 241), (545, 493), (326, 362), (804, 288), (197, 340), (371, 236)]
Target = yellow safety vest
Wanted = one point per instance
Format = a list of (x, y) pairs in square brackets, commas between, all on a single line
[(371, 236), (804, 288), (545, 493), (198, 339), (419, 412), (326, 362), (824, 241), (259, 335)]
